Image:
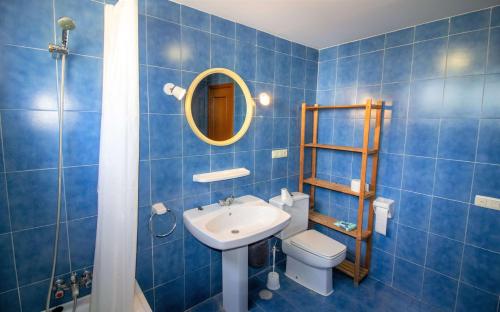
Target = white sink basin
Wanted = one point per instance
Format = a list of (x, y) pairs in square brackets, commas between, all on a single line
[(246, 221), (231, 229)]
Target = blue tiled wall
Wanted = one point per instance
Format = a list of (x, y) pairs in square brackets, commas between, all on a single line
[(440, 147), (177, 43), (29, 137)]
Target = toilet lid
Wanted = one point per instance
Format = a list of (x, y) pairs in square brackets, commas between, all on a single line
[(318, 244)]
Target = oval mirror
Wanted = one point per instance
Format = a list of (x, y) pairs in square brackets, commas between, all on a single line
[(219, 106)]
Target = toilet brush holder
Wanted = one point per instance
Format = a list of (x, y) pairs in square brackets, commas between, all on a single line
[(273, 278), (273, 281)]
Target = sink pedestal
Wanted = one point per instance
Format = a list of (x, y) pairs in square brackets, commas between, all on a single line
[(235, 279)]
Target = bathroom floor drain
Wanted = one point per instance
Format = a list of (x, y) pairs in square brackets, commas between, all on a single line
[(235, 231)]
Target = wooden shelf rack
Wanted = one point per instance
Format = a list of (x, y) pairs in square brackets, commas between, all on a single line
[(360, 267)]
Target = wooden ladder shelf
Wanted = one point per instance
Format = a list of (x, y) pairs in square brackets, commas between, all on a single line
[(358, 269)]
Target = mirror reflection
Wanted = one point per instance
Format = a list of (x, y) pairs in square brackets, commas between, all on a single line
[(218, 107)]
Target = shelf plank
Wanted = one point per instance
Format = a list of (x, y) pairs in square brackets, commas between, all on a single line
[(353, 106), (336, 187), (347, 267), (340, 148), (328, 221)]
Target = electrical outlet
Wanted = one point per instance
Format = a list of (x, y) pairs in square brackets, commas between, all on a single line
[(487, 202), (280, 153)]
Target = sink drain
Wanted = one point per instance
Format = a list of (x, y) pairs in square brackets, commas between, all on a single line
[(235, 231)]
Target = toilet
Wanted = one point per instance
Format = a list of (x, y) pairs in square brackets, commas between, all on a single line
[(310, 254)]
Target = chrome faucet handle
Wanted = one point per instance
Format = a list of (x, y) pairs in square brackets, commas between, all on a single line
[(226, 201)]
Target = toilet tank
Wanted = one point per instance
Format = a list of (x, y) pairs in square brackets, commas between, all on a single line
[(299, 213)]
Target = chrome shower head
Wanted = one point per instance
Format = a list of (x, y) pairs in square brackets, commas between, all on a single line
[(66, 23)]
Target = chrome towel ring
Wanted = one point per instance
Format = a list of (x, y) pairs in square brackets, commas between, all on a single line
[(159, 209)]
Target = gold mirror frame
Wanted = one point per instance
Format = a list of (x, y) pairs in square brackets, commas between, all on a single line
[(248, 98)]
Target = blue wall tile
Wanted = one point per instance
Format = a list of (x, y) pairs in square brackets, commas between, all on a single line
[(222, 50), (429, 59), (443, 255), (7, 271), (194, 18), (195, 56), (82, 242), (36, 30), (448, 218), (408, 277), (265, 40), (470, 21), (347, 71), (265, 65), (432, 30), (439, 290), (426, 98), (166, 10), (163, 36), (370, 68), (349, 49), (10, 301), (494, 58), (372, 44), (32, 198), (222, 26), (411, 244), (397, 64), (489, 141), (247, 34), (467, 53), (481, 228), (478, 263), (418, 174), (414, 210), (463, 97), (81, 138), (197, 287), (422, 137), (450, 147), (298, 73), (285, 46), (328, 54), (471, 299), (30, 139), (170, 296), (28, 66), (159, 102), (486, 181), (448, 170), (299, 50), (37, 244), (491, 107), (400, 37), (281, 69)]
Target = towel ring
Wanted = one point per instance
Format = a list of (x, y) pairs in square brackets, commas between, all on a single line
[(151, 229)]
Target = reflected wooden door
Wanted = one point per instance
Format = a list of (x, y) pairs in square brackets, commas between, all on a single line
[(220, 111)]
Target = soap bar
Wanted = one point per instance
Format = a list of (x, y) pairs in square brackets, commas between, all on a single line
[(348, 226)]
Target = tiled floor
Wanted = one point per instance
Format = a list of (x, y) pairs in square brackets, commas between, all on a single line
[(369, 296)]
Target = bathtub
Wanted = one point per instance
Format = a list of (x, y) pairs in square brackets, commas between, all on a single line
[(140, 303)]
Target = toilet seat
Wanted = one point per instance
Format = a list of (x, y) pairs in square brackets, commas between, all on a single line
[(315, 249), (318, 244)]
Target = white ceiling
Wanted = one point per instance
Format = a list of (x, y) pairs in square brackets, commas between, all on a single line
[(324, 23)]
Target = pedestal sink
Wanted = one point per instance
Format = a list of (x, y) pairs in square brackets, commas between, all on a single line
[(231, 229)]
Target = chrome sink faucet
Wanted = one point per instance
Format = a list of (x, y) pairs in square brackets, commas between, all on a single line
[(227, 201)]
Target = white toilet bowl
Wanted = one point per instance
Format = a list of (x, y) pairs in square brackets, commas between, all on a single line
[(310, 254), (310, 259)]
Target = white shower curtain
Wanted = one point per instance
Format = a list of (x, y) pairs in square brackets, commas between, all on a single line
[(114, 261)]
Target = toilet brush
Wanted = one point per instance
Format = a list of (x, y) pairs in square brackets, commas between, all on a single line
[(273, 278)]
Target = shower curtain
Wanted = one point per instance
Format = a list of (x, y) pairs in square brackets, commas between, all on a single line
[(114, 261)]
